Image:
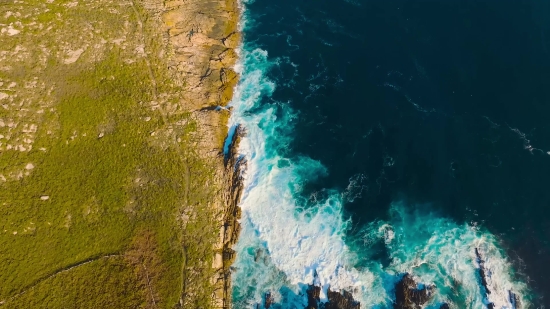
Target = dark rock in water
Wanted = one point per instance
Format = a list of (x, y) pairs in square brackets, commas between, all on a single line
[(514, 299), (444, 306), (337, 300), (408, 296), (482, 272), (483, 276), (313, 297), (268, 300)]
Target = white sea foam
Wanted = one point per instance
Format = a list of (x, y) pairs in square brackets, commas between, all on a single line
[(300, 243), (440, 252), (284, 244)]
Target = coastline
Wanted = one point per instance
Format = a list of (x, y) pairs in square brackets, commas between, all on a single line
[(132, 194), (210, 64), (204, 37)]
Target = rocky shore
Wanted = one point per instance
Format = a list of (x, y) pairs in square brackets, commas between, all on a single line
[(409, 294), (204, 36), (234, 166)]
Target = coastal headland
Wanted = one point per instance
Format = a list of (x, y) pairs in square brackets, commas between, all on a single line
[(114, 189)]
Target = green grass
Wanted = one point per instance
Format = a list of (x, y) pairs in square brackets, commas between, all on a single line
[(89, 180), (113, 278), (120, 194)]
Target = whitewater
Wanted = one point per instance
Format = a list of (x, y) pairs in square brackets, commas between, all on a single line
[(289, 241)]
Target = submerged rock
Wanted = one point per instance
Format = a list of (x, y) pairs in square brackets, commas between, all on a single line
[(409, 296), (444, 306)]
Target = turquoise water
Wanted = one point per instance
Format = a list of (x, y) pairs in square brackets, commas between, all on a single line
[(354, 176)]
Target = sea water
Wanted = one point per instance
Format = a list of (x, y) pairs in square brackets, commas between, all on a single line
[(393, 137)]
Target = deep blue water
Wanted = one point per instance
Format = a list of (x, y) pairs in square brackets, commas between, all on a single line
[(428, 121)]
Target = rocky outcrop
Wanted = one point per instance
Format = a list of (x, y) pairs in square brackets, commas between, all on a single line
[(514, 300), (234, 166), (483, 278), (203, 36), (409, 296), (268, 301), (336, 300), (482, 272), (340, 300), (313, 297)]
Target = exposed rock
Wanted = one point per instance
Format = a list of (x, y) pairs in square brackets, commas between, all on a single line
[(203, 36), (483, 277), (482, 273), (514, 299), (217, 263), (268, 300), (337, 300), (313, 297), (234, 167), (409, 296)]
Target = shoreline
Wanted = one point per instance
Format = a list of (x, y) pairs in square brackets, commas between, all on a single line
[(204, 37), (234, 167)]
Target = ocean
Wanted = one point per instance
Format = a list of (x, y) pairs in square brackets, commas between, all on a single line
[(393, 137)]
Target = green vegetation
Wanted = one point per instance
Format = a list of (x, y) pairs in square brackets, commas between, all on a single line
[(113, 279), (107, 202)]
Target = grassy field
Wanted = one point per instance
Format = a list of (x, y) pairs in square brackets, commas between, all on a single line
[(100, 185)]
